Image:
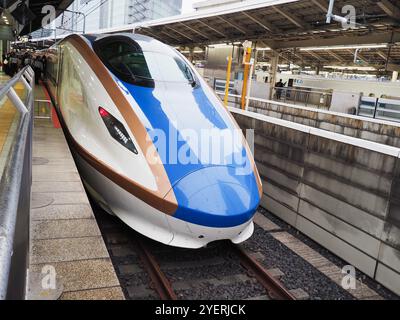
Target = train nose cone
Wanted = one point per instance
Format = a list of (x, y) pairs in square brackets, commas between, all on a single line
[(219, 197)]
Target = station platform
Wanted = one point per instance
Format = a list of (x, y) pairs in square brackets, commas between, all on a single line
[(68, 257)]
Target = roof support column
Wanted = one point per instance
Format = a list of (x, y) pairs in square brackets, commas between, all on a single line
[(255, 58), (191, 54), (395, 76), (273, 72)]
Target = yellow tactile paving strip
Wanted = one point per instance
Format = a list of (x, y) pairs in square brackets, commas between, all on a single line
[(7, 115)]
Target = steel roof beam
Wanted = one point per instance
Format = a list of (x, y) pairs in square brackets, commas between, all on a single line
[(382, 55), (178, 32), (170, 36), (316, 56), (194, 30), (156, 34), (336, 56), (267, 26), (212, 28), (389, 8), (232, 25), (291, 17), (323, 5)]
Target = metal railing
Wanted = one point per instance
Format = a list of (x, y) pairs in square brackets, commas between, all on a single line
[(305, 97), (220, 84), (379, 108), (234, 100), (15, 191)]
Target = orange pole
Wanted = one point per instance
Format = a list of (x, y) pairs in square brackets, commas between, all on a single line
[(246, 76), (228, 80)]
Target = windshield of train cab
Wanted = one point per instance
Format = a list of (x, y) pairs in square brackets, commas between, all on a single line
[(129, 63)]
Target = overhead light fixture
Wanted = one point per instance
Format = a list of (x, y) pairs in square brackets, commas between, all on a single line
[(351, 68), (195, 51), (367, 46), (263, 49), (219, 45)]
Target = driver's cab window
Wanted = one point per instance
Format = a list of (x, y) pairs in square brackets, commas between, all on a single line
[(127, 61)]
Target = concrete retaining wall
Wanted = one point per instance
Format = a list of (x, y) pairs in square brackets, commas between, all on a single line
[(380, 131), (340, 191)]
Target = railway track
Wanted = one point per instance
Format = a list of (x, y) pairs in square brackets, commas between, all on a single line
[(148, 270), (274, 288)]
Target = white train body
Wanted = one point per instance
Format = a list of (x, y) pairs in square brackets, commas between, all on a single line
[(110, 112)]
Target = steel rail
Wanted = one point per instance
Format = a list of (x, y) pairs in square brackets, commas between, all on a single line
[(158, 278), (275, 288), (162, 286)]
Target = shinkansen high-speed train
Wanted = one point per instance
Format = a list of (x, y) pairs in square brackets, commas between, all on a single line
[(145, 130)]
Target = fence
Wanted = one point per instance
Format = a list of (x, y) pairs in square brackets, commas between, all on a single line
[(15, 190), (219, 85), (320, 99)]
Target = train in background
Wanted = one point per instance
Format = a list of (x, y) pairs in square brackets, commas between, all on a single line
[(112, 92)]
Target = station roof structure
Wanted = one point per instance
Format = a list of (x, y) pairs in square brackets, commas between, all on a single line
[(37, 5), (378, 57), (278, 24), (289, 26), (35, 8)]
